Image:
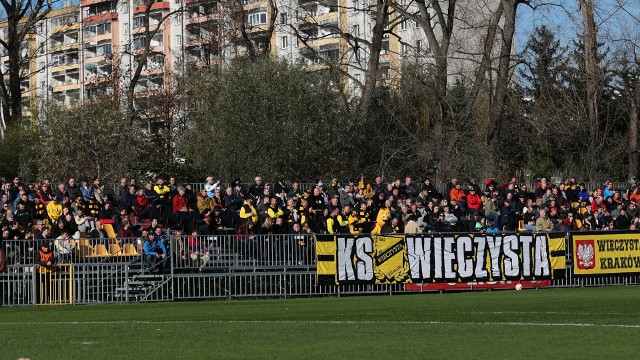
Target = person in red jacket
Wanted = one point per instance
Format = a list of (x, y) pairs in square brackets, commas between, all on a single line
[(142, 207), (474, 202), (184, 213)]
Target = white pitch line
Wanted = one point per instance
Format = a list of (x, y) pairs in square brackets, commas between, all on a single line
[(548, 313), (317, 322)]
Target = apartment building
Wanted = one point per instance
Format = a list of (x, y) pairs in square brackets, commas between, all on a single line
[(93, 49)]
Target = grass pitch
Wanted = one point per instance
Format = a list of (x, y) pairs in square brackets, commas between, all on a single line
[(531, 324)]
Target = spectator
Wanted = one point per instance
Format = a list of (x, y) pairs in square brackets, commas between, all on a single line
[(73, 189), (543, 223), (607, 190), (233, 202), (197, 251), (54, 210), (217, 199), (63, 248), (210, 186), (128, 198), (248, 211), (570, 223), (205, 204), (61, 191), (257, 188), (98, 233), (474, 202), (107, 214), (155, 252), (45, 194), (86, 190), (181, 209), (622, 221), (378, 185), (82, 221), (126, 230), (346, 196), (98, 191)]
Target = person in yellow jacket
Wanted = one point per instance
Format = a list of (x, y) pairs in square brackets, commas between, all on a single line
[(248, 211), (383, 219), (343, 219), (162, 190), (205, 203), (274, 210), (333, 225), (355, 226), (54, 209)]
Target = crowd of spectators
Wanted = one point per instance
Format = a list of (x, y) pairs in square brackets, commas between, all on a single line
[(69, 210)]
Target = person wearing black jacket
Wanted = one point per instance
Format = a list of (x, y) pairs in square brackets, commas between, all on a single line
[(257, 188), (73, 189), (22, 216), (151, 195), (127, 200)]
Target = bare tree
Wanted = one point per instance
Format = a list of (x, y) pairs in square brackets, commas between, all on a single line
[(140, 58), (437, 22), (592, 77), (380, 14), (254, 39), (22, 18)]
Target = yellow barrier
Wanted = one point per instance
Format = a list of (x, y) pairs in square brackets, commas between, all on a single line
[(55, 287)]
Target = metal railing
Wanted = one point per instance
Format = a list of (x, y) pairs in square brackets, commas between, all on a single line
[(75, 251), (255, 251), (204, 267)]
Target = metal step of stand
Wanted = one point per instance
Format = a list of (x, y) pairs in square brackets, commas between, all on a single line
[(138, 285)]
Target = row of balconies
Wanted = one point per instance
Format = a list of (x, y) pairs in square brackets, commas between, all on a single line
[(66, 97)]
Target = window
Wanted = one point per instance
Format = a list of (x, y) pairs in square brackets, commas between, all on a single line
[(284, 43), (419, 46), (403, 25), (58, 60), (139, 21), (283, 18), (405, 49), (355, 30), (126, 28), (357, 77), (100, 29), (178, 40), (259, 18), (103, 49), (138, 42)]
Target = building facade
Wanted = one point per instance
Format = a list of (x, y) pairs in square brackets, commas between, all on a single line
[(94, 48)]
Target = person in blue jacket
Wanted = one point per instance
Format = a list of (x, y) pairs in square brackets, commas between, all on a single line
[(154, 252)]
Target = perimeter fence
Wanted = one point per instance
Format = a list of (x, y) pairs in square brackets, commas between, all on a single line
[(91, 271)]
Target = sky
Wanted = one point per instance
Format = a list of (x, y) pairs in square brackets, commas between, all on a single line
[(614, 22)]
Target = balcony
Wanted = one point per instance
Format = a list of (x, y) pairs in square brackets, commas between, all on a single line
[(64, 41), (85, 3), (65, 27), (112, 15), (64, 61), (164, 5), (65, 88), (316, 43), (148, 84), (66, 97), (204, 20)]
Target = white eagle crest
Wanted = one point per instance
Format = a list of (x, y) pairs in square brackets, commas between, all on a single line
[(585, 255)]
